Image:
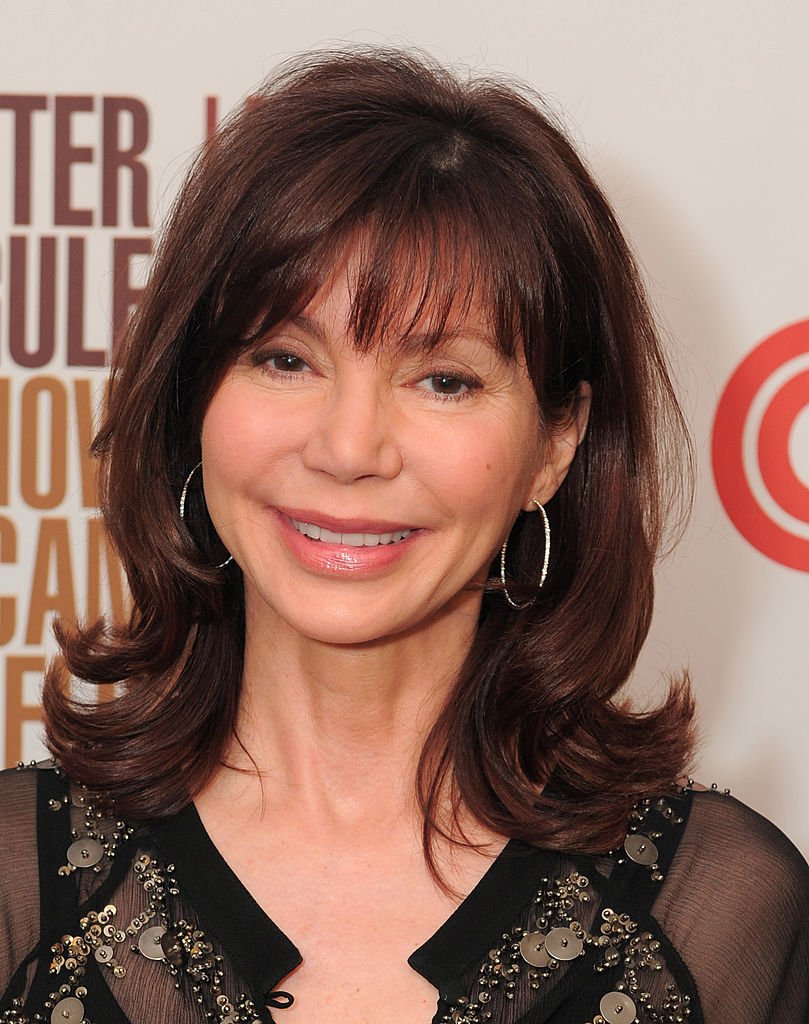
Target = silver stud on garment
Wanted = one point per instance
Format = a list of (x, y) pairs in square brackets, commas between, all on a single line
[(641, 849), (149, 942), (68, 1011), (532, 949), (85, 853), (617, 1008), (563, 944)]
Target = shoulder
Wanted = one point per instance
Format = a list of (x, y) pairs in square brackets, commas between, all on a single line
[(724, 835), (28, 796), (18, 811), (25, 792), (737, 860), (19, 878), (736, 884)]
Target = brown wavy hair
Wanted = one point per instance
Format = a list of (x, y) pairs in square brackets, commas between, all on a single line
[(472, 182)]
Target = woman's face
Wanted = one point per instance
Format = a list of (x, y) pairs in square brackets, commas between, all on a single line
[(362, 493)]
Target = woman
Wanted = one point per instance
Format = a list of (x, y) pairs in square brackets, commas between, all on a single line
[(388, 452)]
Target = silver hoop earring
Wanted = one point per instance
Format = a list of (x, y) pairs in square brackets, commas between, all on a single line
[(184, 495), (545, 560)]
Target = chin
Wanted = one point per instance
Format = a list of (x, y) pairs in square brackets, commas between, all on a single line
[(331, 622), (343, 635)]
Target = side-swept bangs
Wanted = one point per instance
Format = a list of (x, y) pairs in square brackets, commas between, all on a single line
[(435, 208)]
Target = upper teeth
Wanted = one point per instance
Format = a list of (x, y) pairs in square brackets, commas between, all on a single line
[(356, 540)]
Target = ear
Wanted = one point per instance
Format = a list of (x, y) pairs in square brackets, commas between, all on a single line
[(560, 450)]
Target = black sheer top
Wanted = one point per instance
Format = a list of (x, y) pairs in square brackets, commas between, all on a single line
[(701, 915)]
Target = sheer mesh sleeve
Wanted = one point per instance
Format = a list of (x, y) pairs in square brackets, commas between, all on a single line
[(735, 904), (19, 877)]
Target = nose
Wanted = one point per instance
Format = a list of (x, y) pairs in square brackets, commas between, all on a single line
[(354, 434)]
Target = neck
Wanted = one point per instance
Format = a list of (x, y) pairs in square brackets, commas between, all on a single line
[(337, 730)]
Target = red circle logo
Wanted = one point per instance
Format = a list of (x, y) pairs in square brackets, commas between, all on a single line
[(757, 482)]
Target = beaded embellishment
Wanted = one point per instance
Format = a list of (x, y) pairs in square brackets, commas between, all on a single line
[(183, 949), (528, 957)]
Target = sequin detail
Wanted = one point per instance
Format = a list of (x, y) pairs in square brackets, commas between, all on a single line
[(177, 946), (529, 957)]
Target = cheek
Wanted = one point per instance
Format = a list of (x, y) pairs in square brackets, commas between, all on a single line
[(231, 445), (241, 432), (217, 432), (487, 466)]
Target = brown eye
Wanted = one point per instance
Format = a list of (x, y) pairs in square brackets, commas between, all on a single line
[(286, 362), (446, 385)]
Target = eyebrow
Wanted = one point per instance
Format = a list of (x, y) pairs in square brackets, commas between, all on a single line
[(419, 339), (313, 327), (414, 341)]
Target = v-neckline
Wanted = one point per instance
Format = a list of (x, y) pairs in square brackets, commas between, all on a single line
[(263, 954)]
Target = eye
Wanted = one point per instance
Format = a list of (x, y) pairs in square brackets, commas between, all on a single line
[(281, 362), (447, 385), (287, 363)]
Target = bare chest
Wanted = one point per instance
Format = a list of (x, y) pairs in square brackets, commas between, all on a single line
[(355, 902), (355, 935), (361, 987)]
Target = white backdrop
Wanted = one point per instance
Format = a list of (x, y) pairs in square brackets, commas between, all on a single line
[(692, 114)]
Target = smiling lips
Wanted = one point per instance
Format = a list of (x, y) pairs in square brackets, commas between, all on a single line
[(354, 540), (344, 547)]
